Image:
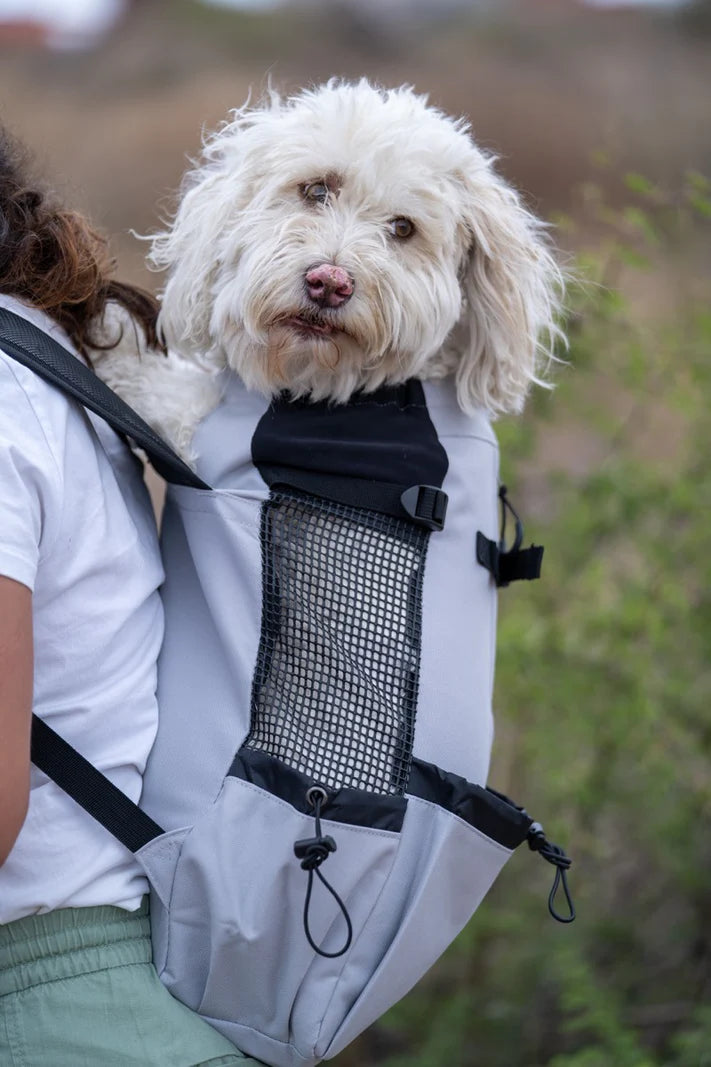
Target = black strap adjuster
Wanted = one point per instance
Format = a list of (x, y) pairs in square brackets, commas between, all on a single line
[(506, 567), (426, 504), (509, 564)]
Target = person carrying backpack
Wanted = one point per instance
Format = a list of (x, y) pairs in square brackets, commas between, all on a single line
[(81, 624), (314, 821)]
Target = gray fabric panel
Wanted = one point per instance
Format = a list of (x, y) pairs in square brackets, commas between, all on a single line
[(454, 727), (212, 600), (443, 870), (237, 950)]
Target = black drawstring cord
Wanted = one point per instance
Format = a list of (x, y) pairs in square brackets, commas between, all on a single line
[(554, 854), (506, 505), (312, 851)]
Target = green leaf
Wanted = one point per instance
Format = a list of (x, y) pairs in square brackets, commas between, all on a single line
[(637, 183), (698, 181), (641, 221), (701, 204), (633, 258)]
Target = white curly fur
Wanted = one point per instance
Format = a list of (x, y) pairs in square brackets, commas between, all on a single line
[(474, 292)]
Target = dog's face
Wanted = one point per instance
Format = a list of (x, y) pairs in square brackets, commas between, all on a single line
[(349, 237)]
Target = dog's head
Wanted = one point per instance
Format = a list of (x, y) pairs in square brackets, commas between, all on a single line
[(351, 236)]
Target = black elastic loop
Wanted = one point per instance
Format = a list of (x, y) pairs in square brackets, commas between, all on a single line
[(312, 852), (506, 505), (553, 854), (512, 564)]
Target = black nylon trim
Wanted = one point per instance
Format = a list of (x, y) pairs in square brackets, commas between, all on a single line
[(424, 505), (365, 453), (481, 807), (34, 349), (355, 492), (356, 807), (522, 564), (488, 811), (90, 788)]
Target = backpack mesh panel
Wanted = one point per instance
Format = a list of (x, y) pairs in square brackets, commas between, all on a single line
[(335, 688)]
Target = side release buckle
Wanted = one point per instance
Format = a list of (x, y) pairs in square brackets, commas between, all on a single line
[(426, 505)]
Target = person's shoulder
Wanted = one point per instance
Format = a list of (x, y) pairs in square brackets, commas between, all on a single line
[(19, 387), (23, 391), (34, 418), (23, 394)]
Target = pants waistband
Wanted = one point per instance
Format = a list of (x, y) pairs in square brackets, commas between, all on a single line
[(69, 942)]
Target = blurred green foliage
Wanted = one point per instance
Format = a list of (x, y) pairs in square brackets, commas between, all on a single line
[(603, 692)]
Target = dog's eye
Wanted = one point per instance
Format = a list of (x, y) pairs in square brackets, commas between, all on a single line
[(315, 191), (401, 227)]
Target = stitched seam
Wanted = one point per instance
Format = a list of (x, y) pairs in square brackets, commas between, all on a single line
[(359, 938), (373, 830), (259, 1033), (467, 825), (14, 1036), (184, 504), (169, 905)]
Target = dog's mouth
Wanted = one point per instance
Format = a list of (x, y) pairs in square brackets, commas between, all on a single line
[(309, 325)]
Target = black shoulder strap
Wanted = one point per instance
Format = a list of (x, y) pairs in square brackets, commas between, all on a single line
[(90, 788), (51, 753), (33, 348)]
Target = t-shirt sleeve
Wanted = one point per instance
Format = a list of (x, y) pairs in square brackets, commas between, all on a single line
[(29, 478)]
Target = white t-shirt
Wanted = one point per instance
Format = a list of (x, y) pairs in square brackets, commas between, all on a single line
[(76, 527)]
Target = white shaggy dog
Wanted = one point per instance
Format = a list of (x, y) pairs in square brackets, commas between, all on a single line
[(341, 239)]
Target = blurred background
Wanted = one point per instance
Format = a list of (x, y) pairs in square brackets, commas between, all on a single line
[(600, 113)]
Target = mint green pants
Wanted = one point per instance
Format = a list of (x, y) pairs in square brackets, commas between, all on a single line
[(78, 989)]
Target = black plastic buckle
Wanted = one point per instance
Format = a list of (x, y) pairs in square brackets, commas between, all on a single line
[(426, 504)]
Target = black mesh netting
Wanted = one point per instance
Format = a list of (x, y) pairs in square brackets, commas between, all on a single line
[(335, 687)]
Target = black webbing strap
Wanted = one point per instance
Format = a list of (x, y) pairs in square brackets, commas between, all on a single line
[(511, 566), (33, 348), (90, 788)]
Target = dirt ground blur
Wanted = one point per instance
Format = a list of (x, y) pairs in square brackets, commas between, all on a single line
[(550, 86), (564, 94)]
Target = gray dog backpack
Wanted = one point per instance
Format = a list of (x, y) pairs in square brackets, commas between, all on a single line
[(315, 824)]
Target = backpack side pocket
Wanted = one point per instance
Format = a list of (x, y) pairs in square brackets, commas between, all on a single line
[(231, 926), (445, 865)]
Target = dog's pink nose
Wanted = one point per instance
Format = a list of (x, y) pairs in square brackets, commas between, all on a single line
[(329, 286)]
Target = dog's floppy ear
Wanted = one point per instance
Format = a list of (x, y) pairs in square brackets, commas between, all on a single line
[(511, 294), (195, 244), (189, 250)]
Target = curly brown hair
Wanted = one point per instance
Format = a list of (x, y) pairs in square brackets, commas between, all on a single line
[(56, 261)]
